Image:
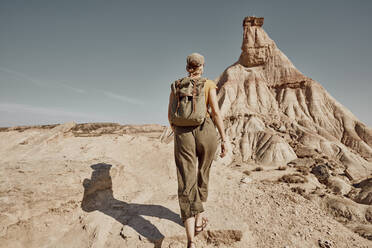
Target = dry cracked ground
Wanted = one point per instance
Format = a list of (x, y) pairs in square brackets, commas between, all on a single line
[(105, 185)]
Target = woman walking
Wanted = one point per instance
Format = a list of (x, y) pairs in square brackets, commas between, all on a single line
[(195, 141)]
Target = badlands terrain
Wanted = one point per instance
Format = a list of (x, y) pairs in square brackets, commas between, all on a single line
[(298, 172)]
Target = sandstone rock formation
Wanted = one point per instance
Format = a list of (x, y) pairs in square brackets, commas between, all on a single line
[(273, 113)]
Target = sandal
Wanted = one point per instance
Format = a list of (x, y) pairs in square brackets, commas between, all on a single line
[(189, 244), (203, 225)]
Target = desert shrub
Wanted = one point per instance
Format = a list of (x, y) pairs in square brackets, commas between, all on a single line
[(293, 178), (321, 172), (298, 190), (302, 169)]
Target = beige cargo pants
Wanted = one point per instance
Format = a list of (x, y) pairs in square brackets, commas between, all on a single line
[(194, 151)]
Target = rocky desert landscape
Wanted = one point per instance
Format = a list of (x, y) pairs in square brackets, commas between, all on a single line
[(298, 173)]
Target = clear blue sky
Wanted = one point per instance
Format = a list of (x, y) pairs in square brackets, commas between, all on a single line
[(98, 60)]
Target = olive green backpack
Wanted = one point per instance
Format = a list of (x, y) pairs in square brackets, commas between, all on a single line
[(188, 107)]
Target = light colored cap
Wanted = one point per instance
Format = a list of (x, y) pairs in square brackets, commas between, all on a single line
[(195, 60)]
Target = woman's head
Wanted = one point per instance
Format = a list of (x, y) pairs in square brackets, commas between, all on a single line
[(195, 64)]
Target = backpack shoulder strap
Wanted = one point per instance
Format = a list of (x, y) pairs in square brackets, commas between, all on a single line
[(174, 85), (201, 80)]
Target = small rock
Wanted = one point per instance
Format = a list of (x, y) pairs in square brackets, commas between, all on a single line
[(291, 164), (321, 172), (363, 192), (246, 180), (324, 244), (282, 129), (247, 172), (338, 186), (122, 234)]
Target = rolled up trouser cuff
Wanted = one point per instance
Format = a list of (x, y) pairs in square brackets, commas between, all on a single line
[(190, 209)]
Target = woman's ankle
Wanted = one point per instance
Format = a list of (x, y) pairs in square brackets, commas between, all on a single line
[(198, 216), (190, 242)]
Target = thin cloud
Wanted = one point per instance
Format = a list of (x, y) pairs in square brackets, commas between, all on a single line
[(24, 108), (68, 87), (77, 90), (22, 76), (39, 82), (123, 98)]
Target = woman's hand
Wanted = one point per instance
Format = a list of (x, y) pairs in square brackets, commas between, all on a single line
[(223, 149), (218, 120)]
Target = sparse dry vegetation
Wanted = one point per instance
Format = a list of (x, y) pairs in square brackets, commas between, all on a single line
[(302, 169), (293, 178)]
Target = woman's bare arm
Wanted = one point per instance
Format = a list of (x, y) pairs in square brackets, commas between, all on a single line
[(170, 108), (218, 119)]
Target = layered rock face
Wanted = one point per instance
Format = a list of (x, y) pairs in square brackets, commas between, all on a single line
[(274, 114)]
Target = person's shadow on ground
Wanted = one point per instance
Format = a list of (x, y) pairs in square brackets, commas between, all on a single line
[(98, 195)]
